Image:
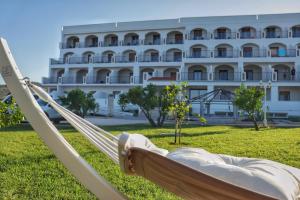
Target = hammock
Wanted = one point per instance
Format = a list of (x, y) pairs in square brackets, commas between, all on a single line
[(188, 173)]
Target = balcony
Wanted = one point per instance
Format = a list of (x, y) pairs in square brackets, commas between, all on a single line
[(153, 42), (117, 79), (224, 36), (170, 58), (174, 41), (131, 43), (224, 75), (226, 53), (149, 58), (283, 53), (254, 53), (194, 76), (250, 35), (276, 34), (200, 54), (125, 59)]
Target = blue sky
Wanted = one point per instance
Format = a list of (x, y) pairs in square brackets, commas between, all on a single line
[(32, 27)]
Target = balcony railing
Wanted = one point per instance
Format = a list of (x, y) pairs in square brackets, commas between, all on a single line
[(171, 40), (276, 34), (200, 54), (146, 58), (255, 53), (118, 79), (226, 54), (109, 44), (171, 58), (296, 34), (194, 76), (283, 53), (125, 59), (227, 76), (199, 37), (131, 43), (153, 42), (250, 35), (225, 36)]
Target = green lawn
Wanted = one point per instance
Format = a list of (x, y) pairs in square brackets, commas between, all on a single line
[(28, 170)]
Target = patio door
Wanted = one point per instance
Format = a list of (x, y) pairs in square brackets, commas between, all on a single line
[(248, 52), (223, 75)]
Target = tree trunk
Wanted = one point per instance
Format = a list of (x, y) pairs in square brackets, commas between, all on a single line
[(179, 135), (149, 118), (255, 125), (161, 120), (175, 138)]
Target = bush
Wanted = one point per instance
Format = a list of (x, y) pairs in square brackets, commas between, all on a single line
[(10, 114)]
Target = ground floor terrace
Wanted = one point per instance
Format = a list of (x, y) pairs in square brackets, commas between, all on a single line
[(282, 98)]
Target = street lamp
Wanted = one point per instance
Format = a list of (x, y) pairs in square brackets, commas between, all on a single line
[(265, 86)]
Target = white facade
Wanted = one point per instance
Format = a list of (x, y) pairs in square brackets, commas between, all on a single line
[(207, 52)]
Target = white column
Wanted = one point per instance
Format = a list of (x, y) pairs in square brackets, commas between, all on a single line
[(240, 70), (210, 74), (90, 75), (136, 73), (274, 94), (113, 76)]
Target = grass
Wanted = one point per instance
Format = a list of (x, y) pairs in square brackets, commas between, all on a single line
[(28, 170)]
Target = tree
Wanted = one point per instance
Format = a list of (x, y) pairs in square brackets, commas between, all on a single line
[(179, 106), (250, 101), (147, 99), (10, 114), (123, 101), (79, 102)]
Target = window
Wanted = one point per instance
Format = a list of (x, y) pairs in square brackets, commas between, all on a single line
[(274, 51), (221, 33), (223, 75), (131, 57), (197, 52), (109, 57), (135, 39), (94, 42), (177, 56), (154, 56), (222, 52), (246, 32), (198, 35), (247, 51), (156, 39), (173, 75), (296, 32), (114, 41), (197, 75), (284, 96), (249, 74), (271, 32), (178, 38)]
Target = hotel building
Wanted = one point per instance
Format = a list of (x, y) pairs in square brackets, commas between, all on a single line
[(207, 52)]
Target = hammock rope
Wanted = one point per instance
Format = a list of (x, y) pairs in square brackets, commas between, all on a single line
[(103, 140)]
